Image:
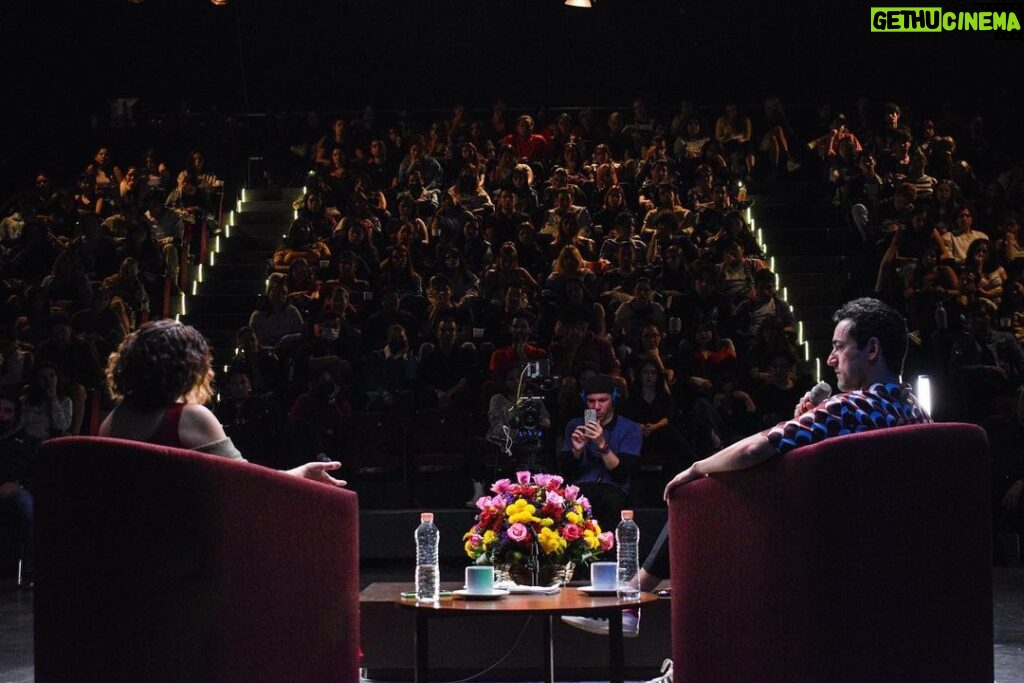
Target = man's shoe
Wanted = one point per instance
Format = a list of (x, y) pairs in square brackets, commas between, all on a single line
[(630, 624), (666, 673)]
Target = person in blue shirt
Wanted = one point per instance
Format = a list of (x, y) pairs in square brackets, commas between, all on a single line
[(600, 455)]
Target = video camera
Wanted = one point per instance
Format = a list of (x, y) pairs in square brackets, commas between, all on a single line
[(526, 415)]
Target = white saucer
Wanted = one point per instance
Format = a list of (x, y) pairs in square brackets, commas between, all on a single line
[(590, 590), (493, 595)]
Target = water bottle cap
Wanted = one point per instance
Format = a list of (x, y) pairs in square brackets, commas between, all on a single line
[(627, 514), (426, 516)]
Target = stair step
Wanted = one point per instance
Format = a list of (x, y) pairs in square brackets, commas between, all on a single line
[(230, 270), (282, 217), (215, 287), (805, 248), (223, 303), (791, 280), (264, 194), (244, 256), (272, 206), (211, 323), (249, 242), (790, 265), (277, 230)]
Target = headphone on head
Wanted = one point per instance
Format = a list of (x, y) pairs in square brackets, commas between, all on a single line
[(615, 395)]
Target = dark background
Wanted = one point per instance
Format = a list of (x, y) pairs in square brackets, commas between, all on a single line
[(64, 60)]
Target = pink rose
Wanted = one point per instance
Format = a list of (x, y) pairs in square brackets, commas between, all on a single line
[(607, 539), (571, 492), (542, 480), (523, 478), (570, 532), (518, 532), (501, 486), (554, 481), (483, 502), (552, 498), (584, 503)]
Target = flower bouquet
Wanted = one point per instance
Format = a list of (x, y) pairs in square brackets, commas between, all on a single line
[(535, 507)]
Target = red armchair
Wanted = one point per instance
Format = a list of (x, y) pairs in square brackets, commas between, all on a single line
[(159, 564), (862, 558)]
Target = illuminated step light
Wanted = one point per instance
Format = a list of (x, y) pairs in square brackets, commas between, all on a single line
[(199, 274), (212, 254), (183, 311), (195, 285), (238, 206), (817, 369), (807, 350), (800, 332), (216, 243)]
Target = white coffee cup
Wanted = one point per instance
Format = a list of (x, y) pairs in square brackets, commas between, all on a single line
[(603, 575), (480, 580)]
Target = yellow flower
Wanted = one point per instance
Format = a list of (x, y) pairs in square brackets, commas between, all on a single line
[(547, 521), (573, 517), (521, 512), (490, 538), (551, 542), (591, 539)]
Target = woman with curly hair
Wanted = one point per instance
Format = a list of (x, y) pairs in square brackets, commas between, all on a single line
[(161, 376)]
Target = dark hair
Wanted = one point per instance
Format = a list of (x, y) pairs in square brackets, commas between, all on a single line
[(872, 318), (12, 397), (160, 363)]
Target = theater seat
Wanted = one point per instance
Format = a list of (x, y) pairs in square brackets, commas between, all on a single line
[(863, 558), (159, 564)]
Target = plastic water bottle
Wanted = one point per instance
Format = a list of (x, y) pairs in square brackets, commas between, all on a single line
[(627, 542), (428, 573)]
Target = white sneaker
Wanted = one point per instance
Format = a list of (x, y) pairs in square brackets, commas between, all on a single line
[(478, 493), (630, 624), (666, 673)]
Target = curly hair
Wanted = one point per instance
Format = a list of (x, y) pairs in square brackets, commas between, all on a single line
[(160, 363)]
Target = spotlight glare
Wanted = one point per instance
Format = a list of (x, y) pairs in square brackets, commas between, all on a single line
[(585, 4), (219, 3)]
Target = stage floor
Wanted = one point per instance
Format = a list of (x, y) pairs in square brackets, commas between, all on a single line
[(1008, 601)]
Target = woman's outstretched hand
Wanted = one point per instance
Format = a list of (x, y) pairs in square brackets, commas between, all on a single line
[(318, 471)]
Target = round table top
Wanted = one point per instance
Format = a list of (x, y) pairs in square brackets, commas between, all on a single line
[(569, 599)]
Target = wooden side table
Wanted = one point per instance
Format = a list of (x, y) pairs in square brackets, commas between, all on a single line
[(568, 601)]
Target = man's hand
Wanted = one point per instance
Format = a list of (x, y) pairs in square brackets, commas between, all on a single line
[(318, 471), (594, 433), (578, 438), (684, 477), (1011, 501), (802, 406)]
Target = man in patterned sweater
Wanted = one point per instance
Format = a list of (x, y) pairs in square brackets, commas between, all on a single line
[(869, 345), (868, 348)]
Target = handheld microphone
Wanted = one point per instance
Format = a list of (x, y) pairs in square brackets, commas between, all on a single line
[(818, 393)]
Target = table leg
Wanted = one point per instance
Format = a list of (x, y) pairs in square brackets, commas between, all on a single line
[(549, 649), (422, 667), (615, 658)]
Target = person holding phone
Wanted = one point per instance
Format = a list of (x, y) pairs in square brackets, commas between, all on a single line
[(601, 450)]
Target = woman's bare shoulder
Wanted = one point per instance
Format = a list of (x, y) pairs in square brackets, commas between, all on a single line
[(199, 426)]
